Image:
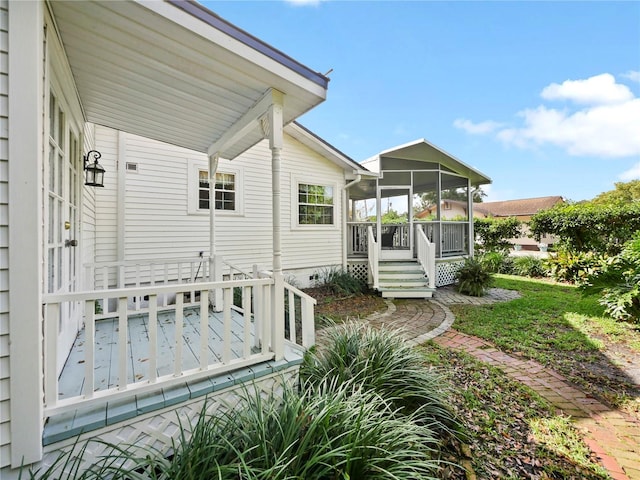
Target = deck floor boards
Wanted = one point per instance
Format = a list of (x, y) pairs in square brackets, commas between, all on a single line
[(71, 380)]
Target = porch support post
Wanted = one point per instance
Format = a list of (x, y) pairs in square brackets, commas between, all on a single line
[(274, 118), (215, 263), (25, 275)]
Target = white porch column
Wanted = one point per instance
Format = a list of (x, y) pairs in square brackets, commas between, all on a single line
[(274, 116), (25, 147), (471, 240), (215, 262)]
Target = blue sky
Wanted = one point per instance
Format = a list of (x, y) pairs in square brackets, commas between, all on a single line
[(543, 97)]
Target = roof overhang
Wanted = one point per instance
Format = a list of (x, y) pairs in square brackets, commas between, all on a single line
[(176, 72), (421, 150)]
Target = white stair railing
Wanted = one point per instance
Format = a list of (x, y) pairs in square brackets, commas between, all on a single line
[(372, 254), (426, 256)]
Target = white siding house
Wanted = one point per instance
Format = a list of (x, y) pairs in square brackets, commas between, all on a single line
[(155, 187), (75, 76)]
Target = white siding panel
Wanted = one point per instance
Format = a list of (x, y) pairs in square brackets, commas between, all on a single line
[(106, 142), (4, 241)]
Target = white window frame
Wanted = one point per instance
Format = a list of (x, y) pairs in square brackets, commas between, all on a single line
[(295, 207), (193, 179)]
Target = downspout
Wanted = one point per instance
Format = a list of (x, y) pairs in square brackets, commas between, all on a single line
[(345, 201)]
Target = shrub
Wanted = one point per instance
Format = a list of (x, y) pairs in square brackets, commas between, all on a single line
[(589, 226), (529, 266), (618, 282), (493, 262), (340, 281), (493, 233), (311, 435), (573, 267), (380, 361), (473, 278)]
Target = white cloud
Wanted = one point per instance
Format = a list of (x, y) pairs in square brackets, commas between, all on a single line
[(632, 174), (596, 90), (480, 128), (603, 131), (606, 125), (632, 75)]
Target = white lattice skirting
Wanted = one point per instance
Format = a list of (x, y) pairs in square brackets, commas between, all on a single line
[(359, 270), (160, 429), (446, 272)]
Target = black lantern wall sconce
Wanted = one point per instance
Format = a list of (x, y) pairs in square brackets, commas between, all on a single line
[(94, 171)]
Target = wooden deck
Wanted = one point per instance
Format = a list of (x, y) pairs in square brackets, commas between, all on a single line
[(71, 381)]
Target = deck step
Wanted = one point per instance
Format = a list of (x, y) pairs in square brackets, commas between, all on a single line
[(403, 279)]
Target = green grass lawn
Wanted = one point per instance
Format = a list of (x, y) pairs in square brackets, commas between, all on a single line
[(559, 327)]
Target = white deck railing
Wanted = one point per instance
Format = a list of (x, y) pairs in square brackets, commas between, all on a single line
[(426, 253), (372, 255), (262, 328)]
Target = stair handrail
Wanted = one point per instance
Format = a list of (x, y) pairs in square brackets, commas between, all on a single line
[(426, 256), (372, 256)]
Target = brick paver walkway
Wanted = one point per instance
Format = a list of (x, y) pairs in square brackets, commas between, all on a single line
[(611, 434)]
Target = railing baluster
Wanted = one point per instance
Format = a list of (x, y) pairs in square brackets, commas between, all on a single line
[(227, 301), (267, 318), (153, 338), (258, 295), (165, 282), (246, 314), (89, 347), (292, 316), (105, 287), (204, 328), (122, 343), (178, 338), (51, 321)]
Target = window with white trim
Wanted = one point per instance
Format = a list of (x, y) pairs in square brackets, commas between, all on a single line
[(315, 204), (225, 191)]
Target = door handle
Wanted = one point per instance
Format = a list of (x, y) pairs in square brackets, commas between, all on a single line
[(71, 243)]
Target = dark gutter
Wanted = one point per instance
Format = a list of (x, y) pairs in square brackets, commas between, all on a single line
[(202, 13)]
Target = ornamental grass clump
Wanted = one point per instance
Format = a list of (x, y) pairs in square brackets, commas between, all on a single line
[(380, 361)]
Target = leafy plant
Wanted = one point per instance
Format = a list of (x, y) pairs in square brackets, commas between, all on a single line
[(473, 278), (529, 266), (379, 361), (340, 281), (492, 234), (585, 227), (618, 282), (571, 266), (492, 261)]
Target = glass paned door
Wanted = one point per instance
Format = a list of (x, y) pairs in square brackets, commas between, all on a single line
[(64, 172)]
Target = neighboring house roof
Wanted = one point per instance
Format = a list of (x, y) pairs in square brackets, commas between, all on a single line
[(422, 150), (514, 208), (178, 73), (324, 148)]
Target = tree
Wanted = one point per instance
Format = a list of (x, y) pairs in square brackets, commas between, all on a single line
[(493, 233), (584, 227), (624, 193), (430, 198)]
